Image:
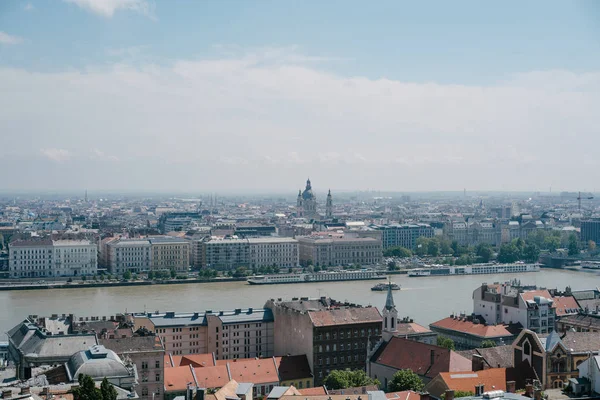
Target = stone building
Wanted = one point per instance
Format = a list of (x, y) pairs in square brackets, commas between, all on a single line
[(306, 204), (229, 334), (147, 353), (230, 253), (169, 253), (334, 251), (333, 335)]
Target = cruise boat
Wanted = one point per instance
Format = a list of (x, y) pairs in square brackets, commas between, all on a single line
[(381, 287), (360, 275), (477, 269), (590, 264)]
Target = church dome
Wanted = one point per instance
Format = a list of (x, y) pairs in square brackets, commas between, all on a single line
[(308, 193), (97, 362)]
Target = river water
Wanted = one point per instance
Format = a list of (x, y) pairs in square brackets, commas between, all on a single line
[(425, 299)]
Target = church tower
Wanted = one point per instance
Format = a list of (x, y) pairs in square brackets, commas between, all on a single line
[(329, 206), (390, 316), (299, 208)]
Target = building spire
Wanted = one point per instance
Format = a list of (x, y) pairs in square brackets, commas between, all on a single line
[(389, 301)]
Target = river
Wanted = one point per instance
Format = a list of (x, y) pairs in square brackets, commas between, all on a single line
[(425, 299)]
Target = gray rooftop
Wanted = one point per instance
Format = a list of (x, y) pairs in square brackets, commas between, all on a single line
[(227, 317)]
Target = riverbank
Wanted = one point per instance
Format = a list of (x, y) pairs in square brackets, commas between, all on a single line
[(16, 285)]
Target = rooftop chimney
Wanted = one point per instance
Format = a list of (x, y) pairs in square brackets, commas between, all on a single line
[(449, 395), (537, 394), (6, 394), (529, 390), (25, 390), (477, 362)]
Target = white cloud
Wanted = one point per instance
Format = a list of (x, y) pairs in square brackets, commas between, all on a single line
[(100, 155), (254, 122), (56, 155), (107, 8), (5, 38), (29, 7)]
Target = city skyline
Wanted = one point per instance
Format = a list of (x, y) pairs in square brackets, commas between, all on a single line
[(135, 95)]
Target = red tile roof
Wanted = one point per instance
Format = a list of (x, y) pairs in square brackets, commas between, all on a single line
[(405, 395), (492, 379), (401, 353), (254, 371), (345, 316), (177, 378), (212, 377), (565, 305), (195, 360), (314, 391), (464, 326)]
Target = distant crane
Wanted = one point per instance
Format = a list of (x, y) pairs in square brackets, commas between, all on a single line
[(579, 200)]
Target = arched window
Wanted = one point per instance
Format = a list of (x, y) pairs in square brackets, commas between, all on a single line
[(527, 349)]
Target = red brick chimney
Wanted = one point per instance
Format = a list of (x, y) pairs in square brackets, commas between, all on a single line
[(449, 395), (529, 390)]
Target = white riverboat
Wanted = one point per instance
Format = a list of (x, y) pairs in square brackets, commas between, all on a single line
[(590, 264), (336, 276), (477, 269)]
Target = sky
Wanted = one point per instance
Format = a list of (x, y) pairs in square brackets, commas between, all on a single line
[(237, 96)]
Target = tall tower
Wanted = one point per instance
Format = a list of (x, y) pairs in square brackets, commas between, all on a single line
[(390, 316), (299, 208), (329, 206)]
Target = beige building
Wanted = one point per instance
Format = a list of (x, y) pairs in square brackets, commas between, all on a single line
[(228, 334), (169, 253), (273, 251), (335, 250), (148, 354), (225, 254)]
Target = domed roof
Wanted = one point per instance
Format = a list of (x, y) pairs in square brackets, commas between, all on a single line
[(308, 194), (97, 362)]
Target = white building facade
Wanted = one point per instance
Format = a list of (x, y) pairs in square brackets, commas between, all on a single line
[(46, 258), (273, 251)]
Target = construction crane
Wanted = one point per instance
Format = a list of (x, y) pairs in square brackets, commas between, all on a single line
[(579, 200)]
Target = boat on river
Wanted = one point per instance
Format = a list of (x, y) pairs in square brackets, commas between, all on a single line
[(476, 269), (381, 287), (360, 275)]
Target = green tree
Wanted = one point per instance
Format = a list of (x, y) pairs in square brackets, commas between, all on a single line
[(392, 266), (397, 251), (240, 272), (445, 342), (173, 273), (445, 246), (405, 380), (101, 277), (107, 390), (433, 247), (87, 389), (551, 243), (573, 245), (591, 246), (422, 246), (317, 268), (531, 253), (509, 253), (151, 275), (488, 343), (84, 278), (344, 379), (484, 252), (127, 275)]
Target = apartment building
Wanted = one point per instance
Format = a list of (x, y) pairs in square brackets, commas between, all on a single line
[(145, 254), (590, 230), (278, 251), (504, 304), (232, 252), (228, 334), (404, 235), (148, 354), (169, 253), (226, 253), (41, 258), (128, 255), (472, 233), (333, 335), (336, 250)]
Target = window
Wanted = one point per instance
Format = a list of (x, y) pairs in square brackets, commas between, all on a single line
[(144, 364), (144, 391), (157, 364), (157, 376), (527, 349)]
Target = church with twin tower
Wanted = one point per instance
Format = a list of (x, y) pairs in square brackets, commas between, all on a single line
[(306, 204)]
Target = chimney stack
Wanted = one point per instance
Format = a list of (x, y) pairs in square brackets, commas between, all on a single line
[(449, 395), (511, 386), (6, 393), (477, 362), (529, 390), (537, 394), (25, 390)]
